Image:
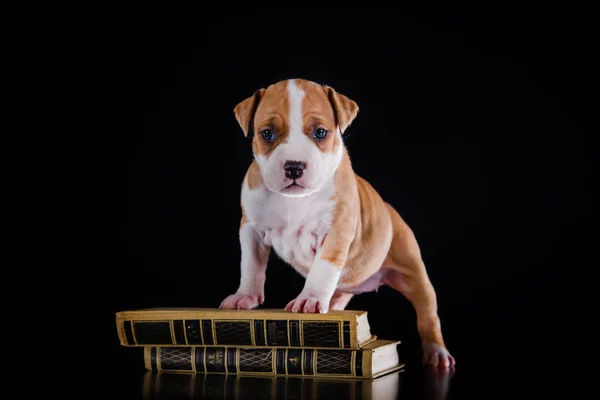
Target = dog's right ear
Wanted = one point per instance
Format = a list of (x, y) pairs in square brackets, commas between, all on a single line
[(244, 111)]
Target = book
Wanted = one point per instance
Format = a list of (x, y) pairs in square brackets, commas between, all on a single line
[(344, 329), (166, 385), (374, 359)]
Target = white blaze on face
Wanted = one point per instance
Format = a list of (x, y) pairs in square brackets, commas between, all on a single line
[(298, 146), (297, 140)]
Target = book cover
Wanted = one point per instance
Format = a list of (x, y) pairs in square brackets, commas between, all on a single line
[(345, 329), (374, 359)]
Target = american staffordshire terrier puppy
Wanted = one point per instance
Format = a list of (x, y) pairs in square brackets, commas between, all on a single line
[(301, 198)]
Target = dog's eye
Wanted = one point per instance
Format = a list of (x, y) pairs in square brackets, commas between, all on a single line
[(267, 134), (320, 133)]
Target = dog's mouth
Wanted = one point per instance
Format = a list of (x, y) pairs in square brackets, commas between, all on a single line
[(294, 184), (293, 189)]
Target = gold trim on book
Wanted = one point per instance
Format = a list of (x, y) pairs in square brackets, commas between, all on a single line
[(225, 357), (366, 363), (193, 359), (211, 313), (273, 373), (201, 331), (132, 323), (147, 361), (248, 346), (172, 329), (265, 331), (158, 359), (171, 314), (369, 341), (213, 331)]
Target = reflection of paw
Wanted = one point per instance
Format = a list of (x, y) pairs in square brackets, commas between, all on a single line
[(307, 303), (240, 301), (437, 382), (436, 355)]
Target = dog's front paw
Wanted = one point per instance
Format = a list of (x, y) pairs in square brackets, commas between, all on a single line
[(308, 303), (436, 355), (241, 301)]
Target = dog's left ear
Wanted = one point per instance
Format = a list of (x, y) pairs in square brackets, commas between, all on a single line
[(244, 111), (345, 109)]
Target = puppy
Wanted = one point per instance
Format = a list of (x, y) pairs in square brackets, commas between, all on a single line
[(301, 198)]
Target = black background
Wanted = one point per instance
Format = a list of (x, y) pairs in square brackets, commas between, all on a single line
[(475, 123)]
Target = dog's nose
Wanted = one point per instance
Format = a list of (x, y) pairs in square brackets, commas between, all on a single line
[(293, 169)]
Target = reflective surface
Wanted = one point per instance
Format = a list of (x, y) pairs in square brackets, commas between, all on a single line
[(212, 386), (207, 386), (488, 367)]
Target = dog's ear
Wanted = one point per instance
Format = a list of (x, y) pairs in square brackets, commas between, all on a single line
[(345, 109), (244, 111)]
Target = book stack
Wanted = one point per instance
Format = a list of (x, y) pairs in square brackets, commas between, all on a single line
[(259, 342)]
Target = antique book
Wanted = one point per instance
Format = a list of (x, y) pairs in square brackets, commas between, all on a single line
[(166, 385), (259, 327), (372, 360)]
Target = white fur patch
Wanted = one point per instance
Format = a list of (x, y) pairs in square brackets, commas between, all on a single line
[(297, 138), (322, 279), (293, 226), (254, 261)]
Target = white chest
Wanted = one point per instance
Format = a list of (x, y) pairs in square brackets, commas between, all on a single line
[(294, 227)]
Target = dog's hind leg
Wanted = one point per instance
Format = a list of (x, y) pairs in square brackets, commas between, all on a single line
[(406, 273), (340, 300)]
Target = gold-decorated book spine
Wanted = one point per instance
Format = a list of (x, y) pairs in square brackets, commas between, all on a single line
[(335, 333), (280, 361)]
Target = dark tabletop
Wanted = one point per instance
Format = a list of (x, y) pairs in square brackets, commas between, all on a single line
[(486, 368)]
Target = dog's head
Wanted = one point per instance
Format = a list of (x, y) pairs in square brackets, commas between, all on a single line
[(297, 128)]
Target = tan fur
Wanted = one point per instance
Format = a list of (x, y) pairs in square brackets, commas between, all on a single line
[(336, 244), (253, 177), (367, 234), (373, 235), (245, 110), (345, 109), (319, 113)]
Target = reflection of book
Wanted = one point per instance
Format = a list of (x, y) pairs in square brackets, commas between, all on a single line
[(257, 328), (374, 359), (164, 385)]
